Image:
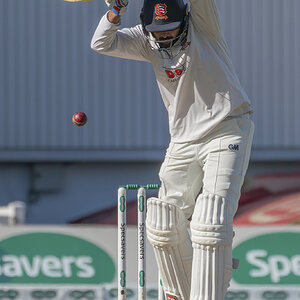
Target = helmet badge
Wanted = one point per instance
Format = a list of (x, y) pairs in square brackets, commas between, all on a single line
[(161, 11)]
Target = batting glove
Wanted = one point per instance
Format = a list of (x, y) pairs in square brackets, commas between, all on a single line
[(119, 7)]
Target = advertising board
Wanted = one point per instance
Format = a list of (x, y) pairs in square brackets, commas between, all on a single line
[(80, 262)]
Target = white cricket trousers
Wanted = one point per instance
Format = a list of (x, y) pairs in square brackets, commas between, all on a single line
[(215, 164)]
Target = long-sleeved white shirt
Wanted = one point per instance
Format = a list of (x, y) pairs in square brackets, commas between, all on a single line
[(198, 84)]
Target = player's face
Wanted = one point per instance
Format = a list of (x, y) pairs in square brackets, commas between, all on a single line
[(166, 35)]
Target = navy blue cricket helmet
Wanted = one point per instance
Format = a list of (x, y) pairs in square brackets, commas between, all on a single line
[(164, 15)]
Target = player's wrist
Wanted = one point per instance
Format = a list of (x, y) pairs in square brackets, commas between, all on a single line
[(113, 18)]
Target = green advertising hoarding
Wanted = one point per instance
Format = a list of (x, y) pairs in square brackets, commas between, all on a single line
[(269, 259), (79, 262), (52, 258)]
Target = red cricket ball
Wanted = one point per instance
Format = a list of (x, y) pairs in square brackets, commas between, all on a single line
[(79, 118)]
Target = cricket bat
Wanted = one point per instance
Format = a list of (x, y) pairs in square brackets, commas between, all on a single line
[(78, 0)]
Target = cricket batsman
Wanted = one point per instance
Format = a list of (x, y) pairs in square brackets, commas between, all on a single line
[(211, 135)]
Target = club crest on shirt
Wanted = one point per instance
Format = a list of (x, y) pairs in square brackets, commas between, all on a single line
[(160, 11)]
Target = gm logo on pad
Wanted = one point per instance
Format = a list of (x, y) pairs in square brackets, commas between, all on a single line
[(234, 147)]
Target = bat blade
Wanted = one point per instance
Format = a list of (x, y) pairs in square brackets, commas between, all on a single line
[(78, 0)]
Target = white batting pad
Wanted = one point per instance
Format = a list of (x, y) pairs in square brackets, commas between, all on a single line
[(167, 232), (211, 233)]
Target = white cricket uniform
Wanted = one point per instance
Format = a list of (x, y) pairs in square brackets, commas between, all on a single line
[(199, 86), (211, 137)]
